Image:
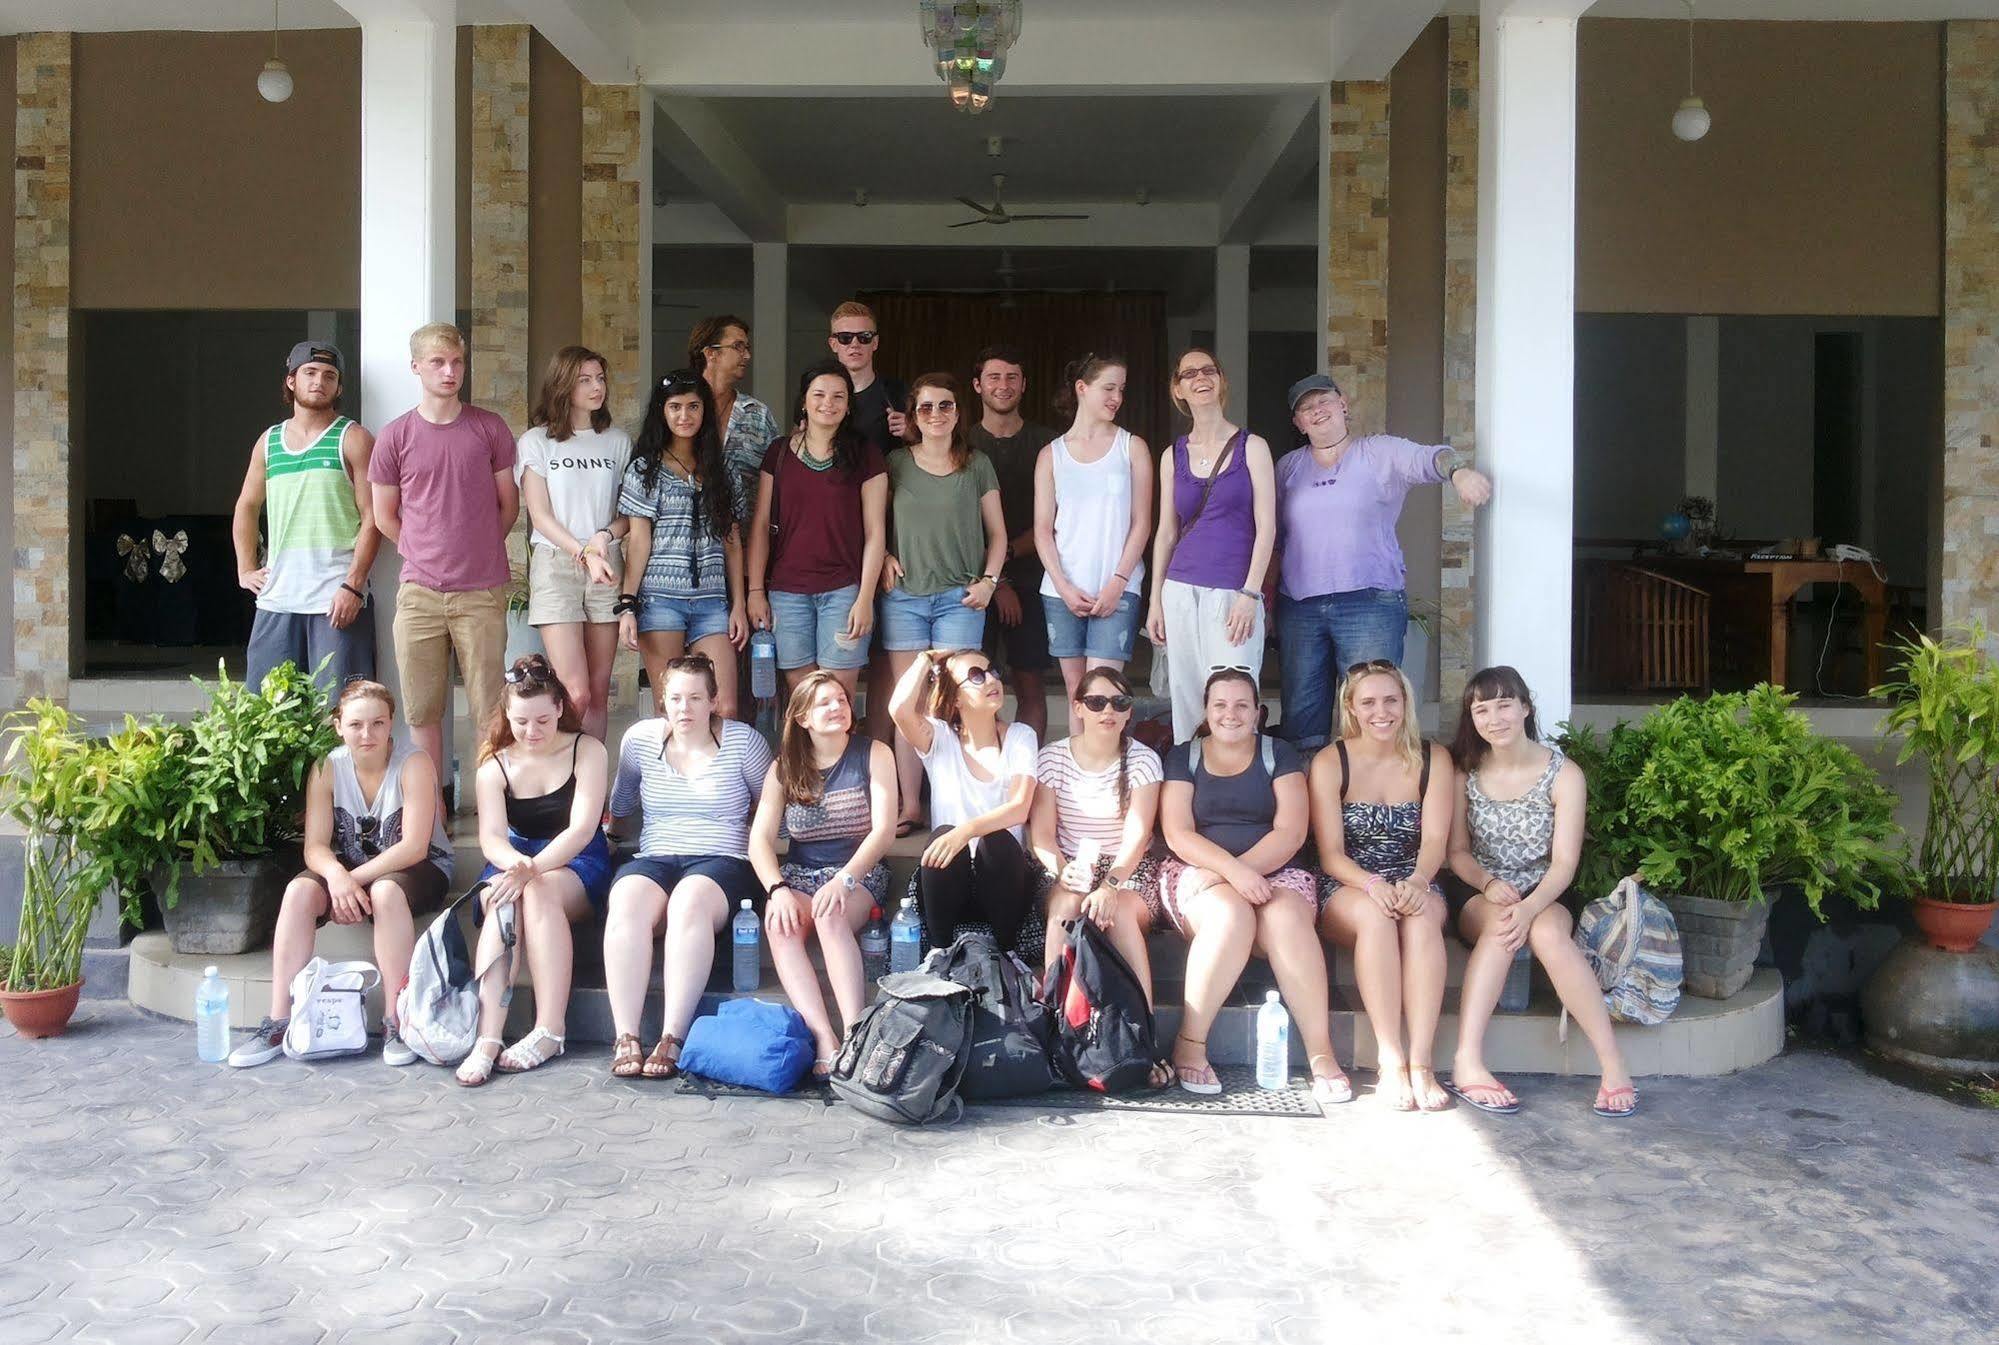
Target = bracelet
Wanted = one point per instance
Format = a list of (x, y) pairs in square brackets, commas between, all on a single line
[(986, 579), (355, 591), (1249, 593), (765, 592), (772, 890), (626, 604), (1122, 578)]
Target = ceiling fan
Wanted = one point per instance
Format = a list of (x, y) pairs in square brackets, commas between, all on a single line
[(997, 213)]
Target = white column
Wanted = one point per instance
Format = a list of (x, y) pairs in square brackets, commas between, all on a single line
[(1526, 340), (1232, 319), (1704, 405), (770, 288)]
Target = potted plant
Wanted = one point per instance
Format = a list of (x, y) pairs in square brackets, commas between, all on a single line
[(1945, 708), (1715, 802), (522, 638)]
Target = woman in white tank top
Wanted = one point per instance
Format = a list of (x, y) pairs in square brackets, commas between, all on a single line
[(1092, 518)]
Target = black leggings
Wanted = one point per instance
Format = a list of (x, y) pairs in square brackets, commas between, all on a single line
[(990, 886)]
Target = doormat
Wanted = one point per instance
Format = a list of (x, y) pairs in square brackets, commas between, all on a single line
[(1240, 1096)]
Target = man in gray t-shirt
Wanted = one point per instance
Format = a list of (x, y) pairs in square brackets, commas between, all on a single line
[(1014, 446)]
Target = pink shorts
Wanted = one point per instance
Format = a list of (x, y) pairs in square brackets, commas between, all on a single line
[(1300, 883)]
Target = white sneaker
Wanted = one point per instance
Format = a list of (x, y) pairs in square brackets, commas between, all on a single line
[(266, 1044), (394, 1050)]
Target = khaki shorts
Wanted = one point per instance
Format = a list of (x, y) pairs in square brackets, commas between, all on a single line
[(430, 626), (560, 591)]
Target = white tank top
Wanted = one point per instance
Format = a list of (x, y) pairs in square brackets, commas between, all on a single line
[(1092, 516), (364, 827)]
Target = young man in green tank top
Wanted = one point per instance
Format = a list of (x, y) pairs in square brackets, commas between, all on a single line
[(311, 472)]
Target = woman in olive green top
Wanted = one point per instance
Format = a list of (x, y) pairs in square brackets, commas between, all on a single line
[(937, 580)]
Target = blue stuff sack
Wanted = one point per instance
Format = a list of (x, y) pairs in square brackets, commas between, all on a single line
[(750, 1043)]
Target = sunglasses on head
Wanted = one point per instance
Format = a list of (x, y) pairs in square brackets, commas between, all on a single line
[(1097, 704), (848, 338), (1373, 665), (531, 668)]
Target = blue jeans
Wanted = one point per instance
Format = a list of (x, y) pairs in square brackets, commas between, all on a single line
[(1318, 639), (808, 628), (698, 618), (911, 621), (1098, 638)]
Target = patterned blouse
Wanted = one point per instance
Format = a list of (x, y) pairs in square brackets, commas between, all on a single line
[(1514, 839)]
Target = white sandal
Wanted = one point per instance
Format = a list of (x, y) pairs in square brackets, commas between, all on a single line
[(533, 1051), (477, 1067)]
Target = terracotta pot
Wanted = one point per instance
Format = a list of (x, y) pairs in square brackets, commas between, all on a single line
[(1954, 926), (40, 1013)]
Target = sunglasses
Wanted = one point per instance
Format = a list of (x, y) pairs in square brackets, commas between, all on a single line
[(1098, 704), (531, 668), (943, 408), (848, 338), (978, 677), (369, 829), (1373, 665)]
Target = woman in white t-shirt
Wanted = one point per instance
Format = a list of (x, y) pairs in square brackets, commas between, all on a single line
[(569, 464), (981, 772)]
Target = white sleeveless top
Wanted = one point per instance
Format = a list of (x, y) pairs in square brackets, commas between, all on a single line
[(364, 827), (1092, 516)]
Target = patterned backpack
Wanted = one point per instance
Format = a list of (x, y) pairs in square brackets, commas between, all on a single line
[(1631, 941)]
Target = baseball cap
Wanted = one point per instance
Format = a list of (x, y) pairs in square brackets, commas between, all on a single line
[(1305, 387), (315, 352)]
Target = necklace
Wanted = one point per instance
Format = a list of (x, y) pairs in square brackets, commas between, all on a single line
[(1202, 462)]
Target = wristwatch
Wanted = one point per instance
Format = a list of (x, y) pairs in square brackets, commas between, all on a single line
[(847, 880), (1128, 883)]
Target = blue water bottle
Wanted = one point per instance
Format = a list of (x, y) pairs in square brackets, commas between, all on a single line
[(211, 1018), (905, 938), (763, 665), (747, 935), (1273, 1043)]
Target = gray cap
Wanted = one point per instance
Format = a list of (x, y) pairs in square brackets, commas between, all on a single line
[(1305, 387), (315, 352)]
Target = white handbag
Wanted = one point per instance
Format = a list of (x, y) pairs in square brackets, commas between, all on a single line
[(330, 1009)]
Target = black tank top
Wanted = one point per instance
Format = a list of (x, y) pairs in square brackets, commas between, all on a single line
[(545, 816)]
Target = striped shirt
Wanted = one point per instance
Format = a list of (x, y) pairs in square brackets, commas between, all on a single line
[(312, 521), (825, 835), (686, 559), (1086, 806), (705, 814)]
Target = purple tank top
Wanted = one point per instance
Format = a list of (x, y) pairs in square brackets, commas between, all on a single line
[(1215, 552)]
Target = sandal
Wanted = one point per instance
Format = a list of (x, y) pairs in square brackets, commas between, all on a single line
[(1606, 1096), (1443, 1099), (1496, 1098), (477, 1067), (533, 1051), (627, 1060), (822, 1069), (1200, 1080), (1163, 1074), (1330, 1090), (660, 1065)]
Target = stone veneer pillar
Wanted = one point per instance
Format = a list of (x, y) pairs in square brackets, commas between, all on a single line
[(1454, 643), (1357, 250), (501, 380), (1970, 324), (44, 504)]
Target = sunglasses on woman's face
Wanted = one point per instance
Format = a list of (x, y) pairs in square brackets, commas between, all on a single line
[(978, 677), (1096, 705), (943, 408)]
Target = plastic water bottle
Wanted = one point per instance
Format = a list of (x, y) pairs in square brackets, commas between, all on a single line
[(211, 1017), (905, 938), (763, 665), (874, 946), (747, 934), (1273, 1044)]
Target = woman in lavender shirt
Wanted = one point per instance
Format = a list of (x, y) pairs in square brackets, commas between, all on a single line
[(1340, 591)]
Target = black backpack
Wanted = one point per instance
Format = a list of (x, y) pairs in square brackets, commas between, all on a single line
[(1102, 1026), (1010, 1027), (905, 1056)]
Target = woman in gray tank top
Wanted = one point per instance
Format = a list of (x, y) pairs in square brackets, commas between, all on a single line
[(1515, 841)]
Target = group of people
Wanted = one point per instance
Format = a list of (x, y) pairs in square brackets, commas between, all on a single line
[(890, 512)]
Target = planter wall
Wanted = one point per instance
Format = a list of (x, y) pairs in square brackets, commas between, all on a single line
[(233, 907), (1719, 941)]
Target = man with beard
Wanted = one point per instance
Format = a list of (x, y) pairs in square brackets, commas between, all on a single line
[(1014, 445), (311, 472)]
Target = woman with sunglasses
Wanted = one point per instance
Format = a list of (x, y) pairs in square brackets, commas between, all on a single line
[(541, 796), (1092, 515), (375, 851), (718, 350), (832, 792), (1234, 812), (691, 779), (1516, 838), (1217, 527), (1341, 586), (947, 542), (981, 770), (816, 538), (1381, 814), (683, 586)]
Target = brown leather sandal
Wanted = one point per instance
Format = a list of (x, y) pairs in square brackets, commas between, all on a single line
[(660, 1065), (626, 1059)]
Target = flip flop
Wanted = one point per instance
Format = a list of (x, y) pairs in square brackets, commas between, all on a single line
[(1191, 1082), (1464, 1095), (1605, 1095), (1331, 1090)]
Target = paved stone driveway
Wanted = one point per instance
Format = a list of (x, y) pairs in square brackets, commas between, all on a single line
[(147, 1197)]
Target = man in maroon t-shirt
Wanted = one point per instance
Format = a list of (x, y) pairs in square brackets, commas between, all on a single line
[(443, 478)]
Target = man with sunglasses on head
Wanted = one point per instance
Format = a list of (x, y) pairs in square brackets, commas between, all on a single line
[(1014, 444)]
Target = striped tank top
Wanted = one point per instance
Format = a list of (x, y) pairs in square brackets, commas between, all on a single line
[(312, 520)]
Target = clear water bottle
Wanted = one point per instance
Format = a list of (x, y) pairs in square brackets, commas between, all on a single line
[(746, 933), (211, 1017), (1273, 1044), (905, 938), (763, 665), (874, 947)]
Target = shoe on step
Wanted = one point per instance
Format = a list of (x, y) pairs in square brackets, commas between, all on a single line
[(394, 1050)]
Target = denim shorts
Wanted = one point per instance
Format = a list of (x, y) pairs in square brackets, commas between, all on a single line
[(734, 876), (698, 617), (808, 628), (1092, 637), (938, 621)]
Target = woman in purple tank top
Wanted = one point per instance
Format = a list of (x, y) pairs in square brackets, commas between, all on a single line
[(1217, 528)]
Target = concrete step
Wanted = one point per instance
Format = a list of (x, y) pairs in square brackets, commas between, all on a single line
[(1705, 1037)]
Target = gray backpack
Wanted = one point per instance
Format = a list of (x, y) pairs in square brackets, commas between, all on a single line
[(905, 1057), (438, 1009)]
